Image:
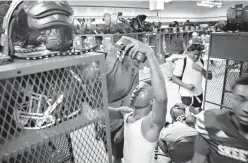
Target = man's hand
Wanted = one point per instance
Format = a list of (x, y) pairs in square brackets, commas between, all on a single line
[(118, 113), (197, 67), (190, 87), (124, 110), (210, 75), (137, 46), (119, 136)]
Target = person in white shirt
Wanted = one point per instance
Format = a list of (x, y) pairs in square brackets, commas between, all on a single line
[(188, 75), (146, 116)]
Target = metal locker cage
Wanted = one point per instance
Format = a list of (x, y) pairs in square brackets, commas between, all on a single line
[(229, 53), (49, 108)]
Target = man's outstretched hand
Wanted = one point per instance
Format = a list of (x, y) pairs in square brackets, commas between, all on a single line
[(137, 46), (124, 110)]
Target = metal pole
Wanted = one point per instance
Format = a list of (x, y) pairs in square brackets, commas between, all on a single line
[(105, 107), (224, 84)]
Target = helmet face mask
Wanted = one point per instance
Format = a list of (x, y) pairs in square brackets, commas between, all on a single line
[(36, 111), (47, 100)]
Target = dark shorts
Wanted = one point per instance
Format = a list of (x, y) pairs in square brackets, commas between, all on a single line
[(117, 148), (188, 100)]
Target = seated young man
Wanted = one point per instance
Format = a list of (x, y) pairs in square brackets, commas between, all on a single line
[(179, 127), (223, 134)]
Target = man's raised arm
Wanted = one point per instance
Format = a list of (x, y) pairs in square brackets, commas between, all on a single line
[(157, 79), (159, 108)]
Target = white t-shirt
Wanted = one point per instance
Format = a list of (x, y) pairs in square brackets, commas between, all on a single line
[(190, 76)]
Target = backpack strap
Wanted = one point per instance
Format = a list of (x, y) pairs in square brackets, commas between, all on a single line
[(202, 61), (184, 66)]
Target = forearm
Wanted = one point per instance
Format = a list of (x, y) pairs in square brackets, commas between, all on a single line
[(157, 78), (178, 81), (206, 74), (114, 113)]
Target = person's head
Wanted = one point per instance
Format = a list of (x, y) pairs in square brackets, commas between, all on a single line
[(204, 32), (194, 34), (194, 51), (177, 113), (142, 96), (239, 99)]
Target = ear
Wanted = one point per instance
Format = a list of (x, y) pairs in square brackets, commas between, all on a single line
[(151, 102)]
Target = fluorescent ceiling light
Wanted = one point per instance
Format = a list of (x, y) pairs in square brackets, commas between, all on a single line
[(204, 4), (209, 4), (167, 1)]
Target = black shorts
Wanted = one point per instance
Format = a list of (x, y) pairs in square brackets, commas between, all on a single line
[(188, 100), (117, 148)]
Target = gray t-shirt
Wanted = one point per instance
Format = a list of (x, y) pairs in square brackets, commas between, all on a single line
[(176, 131)]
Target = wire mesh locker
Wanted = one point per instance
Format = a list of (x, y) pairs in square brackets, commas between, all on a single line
[(229, 55), (49, 108)]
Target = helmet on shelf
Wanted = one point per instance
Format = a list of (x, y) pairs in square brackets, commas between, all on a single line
[(26, 24)]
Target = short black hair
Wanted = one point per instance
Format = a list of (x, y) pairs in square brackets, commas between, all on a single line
[(243, 80)]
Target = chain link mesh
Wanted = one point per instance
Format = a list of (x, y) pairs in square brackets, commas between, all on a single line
[(215, 86), (50, 116), (225, 73), (228, 61)]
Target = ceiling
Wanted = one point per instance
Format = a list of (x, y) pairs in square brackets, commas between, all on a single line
[(143, 4)]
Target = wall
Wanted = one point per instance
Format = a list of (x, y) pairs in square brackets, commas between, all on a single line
[(176, 11)]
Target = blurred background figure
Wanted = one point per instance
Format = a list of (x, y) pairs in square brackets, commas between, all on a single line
[(178, 43), (195, 39), (179, 48)]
